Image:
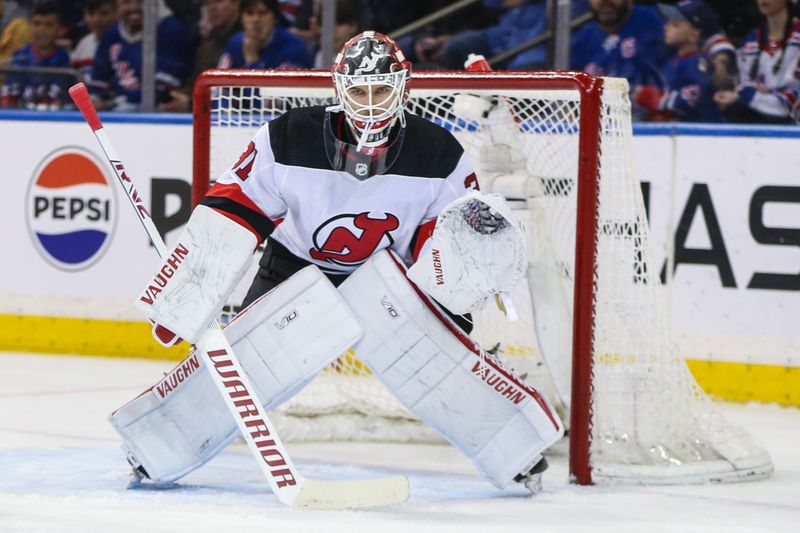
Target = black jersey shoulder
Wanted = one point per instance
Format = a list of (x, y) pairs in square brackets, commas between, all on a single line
[(296, 138), (428, 150)]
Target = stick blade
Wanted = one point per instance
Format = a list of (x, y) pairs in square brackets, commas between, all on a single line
[(352, 494)]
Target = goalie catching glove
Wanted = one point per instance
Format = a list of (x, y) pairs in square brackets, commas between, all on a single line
[(196, 278), (477, 250)]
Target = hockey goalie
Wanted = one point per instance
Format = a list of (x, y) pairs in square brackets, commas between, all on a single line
[(377, 238)]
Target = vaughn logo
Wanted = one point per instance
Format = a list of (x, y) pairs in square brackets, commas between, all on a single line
[(437, 266), (350, 239), (71, 209), (498, 382), (158, 283), (177, 376)]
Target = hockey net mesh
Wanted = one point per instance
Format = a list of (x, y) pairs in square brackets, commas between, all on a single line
[(651, 422)]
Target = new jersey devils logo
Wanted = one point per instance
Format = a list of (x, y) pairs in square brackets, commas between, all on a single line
[(350, 239)]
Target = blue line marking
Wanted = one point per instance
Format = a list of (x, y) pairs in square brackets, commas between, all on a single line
[(716, 130), (678, 129), (107, 118)]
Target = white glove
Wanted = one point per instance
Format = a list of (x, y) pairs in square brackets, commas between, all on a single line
[(477, 250)]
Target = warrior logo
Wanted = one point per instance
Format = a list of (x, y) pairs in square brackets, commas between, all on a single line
[(349, 240)]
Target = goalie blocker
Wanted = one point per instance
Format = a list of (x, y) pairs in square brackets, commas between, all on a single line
[(199, 274)]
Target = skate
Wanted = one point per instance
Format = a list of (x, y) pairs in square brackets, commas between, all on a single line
[(532, 479)]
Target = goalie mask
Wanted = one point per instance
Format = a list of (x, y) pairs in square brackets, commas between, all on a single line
[(370, 74)]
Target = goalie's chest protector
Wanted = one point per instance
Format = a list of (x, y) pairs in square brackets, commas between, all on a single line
[(333, 219)]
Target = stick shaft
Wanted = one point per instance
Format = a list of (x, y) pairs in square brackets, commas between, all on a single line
[(133, 195)]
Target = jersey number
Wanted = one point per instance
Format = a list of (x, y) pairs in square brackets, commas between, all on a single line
[(244, 165)]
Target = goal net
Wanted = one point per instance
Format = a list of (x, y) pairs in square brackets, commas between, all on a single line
[(593, 333)]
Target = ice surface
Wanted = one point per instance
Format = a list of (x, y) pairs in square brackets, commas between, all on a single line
[(61, 471)]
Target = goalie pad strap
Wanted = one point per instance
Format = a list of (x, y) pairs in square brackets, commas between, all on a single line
[(193, 282), (282, 341), (443, 377)]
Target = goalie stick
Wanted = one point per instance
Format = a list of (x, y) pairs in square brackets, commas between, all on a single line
[(286, 482)]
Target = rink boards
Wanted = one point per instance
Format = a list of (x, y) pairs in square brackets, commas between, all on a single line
[(723, 203)]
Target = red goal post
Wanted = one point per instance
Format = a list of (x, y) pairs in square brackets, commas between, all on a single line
[(595, 131)]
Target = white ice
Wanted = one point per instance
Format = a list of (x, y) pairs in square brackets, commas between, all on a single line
[(61, 470)]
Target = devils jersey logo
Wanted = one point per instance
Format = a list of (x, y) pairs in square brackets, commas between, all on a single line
[(349, 240)]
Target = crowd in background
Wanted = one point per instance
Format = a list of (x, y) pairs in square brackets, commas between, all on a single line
[(690, 60)]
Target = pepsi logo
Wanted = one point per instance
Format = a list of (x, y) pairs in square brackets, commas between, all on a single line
[(71, 209)]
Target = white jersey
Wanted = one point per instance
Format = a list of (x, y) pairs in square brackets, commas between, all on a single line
[(83, 55), (284, 186), (769, 72)]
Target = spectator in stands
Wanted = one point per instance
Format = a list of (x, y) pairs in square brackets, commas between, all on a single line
[(220, 21), (306, 23), (386, 16), (769, 69), (14, 29), (98, 16), (625, 41), (116, 80), (347, 17), (188, 11), (307, 26), (38, 90), (520, 21), (290, 10), (689, 90), (722, 55), (72, 22), (796, 108), (263, 43)]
